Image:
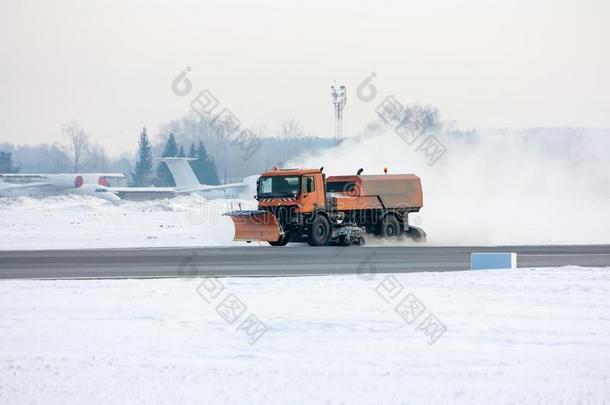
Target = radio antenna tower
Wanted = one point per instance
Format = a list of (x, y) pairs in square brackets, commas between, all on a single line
[(339, 98)]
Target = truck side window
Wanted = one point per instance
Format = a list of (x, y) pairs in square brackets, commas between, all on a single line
[(309, 184), (341, 186)]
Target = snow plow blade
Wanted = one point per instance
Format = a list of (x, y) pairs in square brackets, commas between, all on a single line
[(255, 225)]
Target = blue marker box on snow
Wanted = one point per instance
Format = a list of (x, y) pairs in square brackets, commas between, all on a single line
[(488, 261)]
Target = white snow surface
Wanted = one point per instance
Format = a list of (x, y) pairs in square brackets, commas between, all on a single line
[(518, 336), (72, 221)]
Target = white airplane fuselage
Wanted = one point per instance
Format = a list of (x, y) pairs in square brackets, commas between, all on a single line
[(47, 185)]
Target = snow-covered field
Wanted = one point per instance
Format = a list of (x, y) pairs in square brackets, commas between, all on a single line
[(522, 336), (73, 221)]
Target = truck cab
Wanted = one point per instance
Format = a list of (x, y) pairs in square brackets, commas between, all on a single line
[(294, 198), (305, 190)]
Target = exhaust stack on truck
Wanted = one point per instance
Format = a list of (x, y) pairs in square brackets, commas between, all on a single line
[(303, 205)]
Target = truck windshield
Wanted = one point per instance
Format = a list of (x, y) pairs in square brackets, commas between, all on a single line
[(279, 186)]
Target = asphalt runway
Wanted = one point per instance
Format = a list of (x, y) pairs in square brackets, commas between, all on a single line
[(276, 261)]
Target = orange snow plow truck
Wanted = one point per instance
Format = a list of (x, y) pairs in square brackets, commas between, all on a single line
[(303, 205)]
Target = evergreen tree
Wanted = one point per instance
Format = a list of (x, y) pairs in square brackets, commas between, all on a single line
[(181, 152), (141, 175), (204, 167), (194, 163), (6, 163), (164, 177), (192, 151)]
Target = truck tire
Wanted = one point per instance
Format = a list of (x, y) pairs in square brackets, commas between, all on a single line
[(390, 227), (283, 241), (319, 232)]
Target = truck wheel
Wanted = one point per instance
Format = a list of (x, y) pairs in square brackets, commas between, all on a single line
[(283, 241), (319, 233), (390, 227)]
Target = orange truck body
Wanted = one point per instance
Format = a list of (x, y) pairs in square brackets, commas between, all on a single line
[(389, 191), (304, 205)]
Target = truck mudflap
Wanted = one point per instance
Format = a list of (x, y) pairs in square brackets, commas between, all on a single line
[(255, 225), (415, 233)]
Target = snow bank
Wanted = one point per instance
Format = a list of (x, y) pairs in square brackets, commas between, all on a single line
[(524, 336)]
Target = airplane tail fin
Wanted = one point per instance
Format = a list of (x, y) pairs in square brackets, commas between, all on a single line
[(183, 174)]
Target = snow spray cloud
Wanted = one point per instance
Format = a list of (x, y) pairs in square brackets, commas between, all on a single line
[(496, 187), (415, 125)]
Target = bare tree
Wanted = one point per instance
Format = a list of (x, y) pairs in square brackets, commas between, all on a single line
[(97, 159), (291, 129), (75, 143)]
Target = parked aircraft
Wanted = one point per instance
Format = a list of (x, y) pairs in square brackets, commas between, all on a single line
[(44, 185), (108, 185), (186, 183)]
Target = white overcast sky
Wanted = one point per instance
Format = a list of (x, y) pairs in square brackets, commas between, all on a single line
[(485, 64)]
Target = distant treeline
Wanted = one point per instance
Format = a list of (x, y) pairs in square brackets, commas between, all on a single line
[(220, 155)]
